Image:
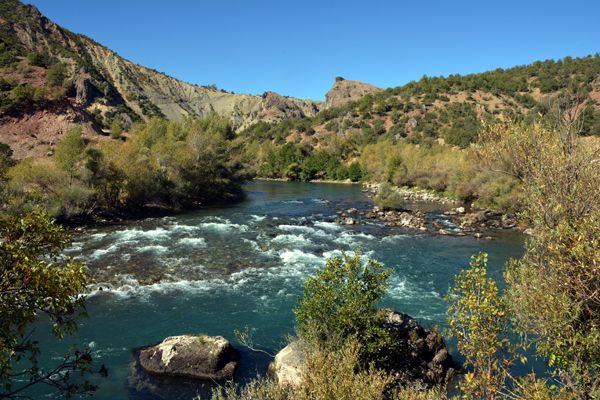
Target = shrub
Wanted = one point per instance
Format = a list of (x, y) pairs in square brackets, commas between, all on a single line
[(477, 317), (339, 304), (327, 375), (21, 98), (116, 129), (36, 280), (389, 198), (56, 74), (39, 59), (355, 172)]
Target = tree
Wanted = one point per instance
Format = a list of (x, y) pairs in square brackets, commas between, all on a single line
[(355, 172), (56, 74), (69, 151), (389, 198), (35, 280), (116, 129), (292, 172), (477, 317), (553, 292), (339, 304), (39, 59)]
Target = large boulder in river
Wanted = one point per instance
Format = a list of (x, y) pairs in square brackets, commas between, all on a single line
[(288, 364), (200, 357), (419, 355)]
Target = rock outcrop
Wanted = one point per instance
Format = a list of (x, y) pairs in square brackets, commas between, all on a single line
[(198, 357), (288, 364), (420, 355), (345, 91)]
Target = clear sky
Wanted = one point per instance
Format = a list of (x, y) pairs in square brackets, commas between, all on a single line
[(297, 48)]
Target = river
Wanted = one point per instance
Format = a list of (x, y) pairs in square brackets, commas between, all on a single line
[(219, 269)]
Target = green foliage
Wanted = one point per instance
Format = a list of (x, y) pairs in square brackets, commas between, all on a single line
[(338, 304), (16, 99), (464, 124), (36, 281), (553, 292), (355, 172), (292, 172), (33, 183), (69, 151), (116, 128), (39, 59), (56, 74), (477, 319), (327, 375), (7, 56), (320, 164), (590, 117), (172, 164), (389, 198)]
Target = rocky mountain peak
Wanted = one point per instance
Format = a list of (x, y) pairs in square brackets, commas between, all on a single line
[(345, 91)]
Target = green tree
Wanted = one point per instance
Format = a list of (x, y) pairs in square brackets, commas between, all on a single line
[(355, 172), (339, 304), (477, 318), (116, 129), (39, 59), (35, 280), (56, 74), (69, 151), (292, 172), (554, 291), (389, 198)]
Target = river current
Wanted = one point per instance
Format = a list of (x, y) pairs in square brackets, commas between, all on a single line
[(219, 269)]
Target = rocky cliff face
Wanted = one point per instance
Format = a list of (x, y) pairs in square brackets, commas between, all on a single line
[(101, 86), (345, 91)]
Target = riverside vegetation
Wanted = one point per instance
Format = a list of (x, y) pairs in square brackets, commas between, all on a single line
[(551, 297), (520, 140), (164, 164)]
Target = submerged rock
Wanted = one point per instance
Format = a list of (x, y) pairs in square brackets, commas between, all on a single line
[(199, 357)]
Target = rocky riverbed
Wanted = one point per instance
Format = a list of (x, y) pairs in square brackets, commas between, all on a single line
[(452, 219)]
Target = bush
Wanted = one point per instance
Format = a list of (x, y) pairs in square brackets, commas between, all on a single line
[(338, 304), (39, 59), (355, 172), (56, 74), (477, 317), (327, 375), (389, 198), (116, 129), (21, 98), (37, 280)]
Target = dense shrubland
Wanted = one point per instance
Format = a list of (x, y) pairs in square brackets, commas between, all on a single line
[(165, 164)]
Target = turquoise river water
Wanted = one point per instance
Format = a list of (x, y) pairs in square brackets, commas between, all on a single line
[(219, 269)]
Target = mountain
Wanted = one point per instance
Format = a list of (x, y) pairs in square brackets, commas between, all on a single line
[(346, 91), (52, 78), (446, 109)]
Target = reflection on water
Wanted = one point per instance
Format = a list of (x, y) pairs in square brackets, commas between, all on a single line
[(218, 269)]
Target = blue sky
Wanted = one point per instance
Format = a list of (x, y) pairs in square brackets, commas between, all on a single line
[(297, 48)]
